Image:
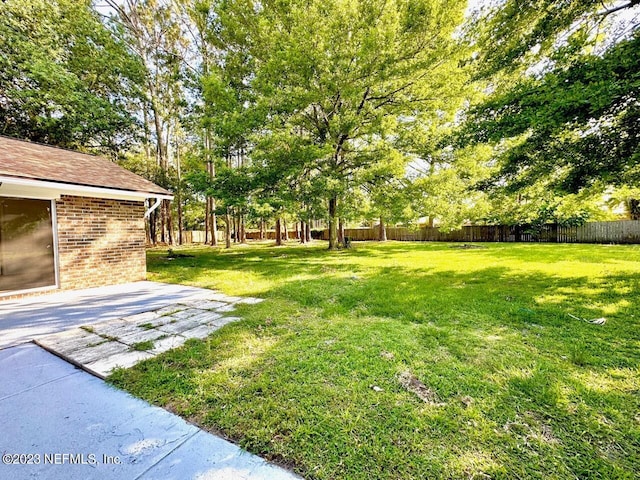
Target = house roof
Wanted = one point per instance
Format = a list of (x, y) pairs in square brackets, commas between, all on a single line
[(31, 161)]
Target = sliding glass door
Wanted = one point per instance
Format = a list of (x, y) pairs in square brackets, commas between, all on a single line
[(27, 257)]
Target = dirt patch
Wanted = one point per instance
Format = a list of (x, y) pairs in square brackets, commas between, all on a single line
[(466, 246), (410, 382)]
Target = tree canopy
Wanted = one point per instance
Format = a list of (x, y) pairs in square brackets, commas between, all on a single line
[(338, 111), (66, 77), (564, 88)]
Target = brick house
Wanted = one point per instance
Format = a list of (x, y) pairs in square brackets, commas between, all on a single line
[(69, 220)]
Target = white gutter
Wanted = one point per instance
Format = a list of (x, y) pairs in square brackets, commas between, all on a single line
[(29, 188)]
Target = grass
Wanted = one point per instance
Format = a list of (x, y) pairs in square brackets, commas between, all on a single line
[(142, 346), (415, 361)]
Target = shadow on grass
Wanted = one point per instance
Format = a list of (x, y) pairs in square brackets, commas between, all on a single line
[(524, 390)]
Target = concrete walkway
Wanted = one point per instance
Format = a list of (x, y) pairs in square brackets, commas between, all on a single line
[(59, 422), (68, 424)]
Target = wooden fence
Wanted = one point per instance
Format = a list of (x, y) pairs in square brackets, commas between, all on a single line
[(624, 231), (197, 236)]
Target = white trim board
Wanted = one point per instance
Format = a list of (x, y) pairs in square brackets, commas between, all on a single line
[(29, 188)]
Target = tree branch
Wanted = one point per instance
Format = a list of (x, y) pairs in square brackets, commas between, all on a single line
[(609, 11)]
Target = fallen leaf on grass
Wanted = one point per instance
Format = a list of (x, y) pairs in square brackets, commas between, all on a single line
[(466, 400), (595, 321), (387, 355)]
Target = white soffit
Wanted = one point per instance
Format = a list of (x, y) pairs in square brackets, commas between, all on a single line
[(28, 188)]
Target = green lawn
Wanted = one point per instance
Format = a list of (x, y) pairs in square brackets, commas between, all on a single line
[(478, 369)]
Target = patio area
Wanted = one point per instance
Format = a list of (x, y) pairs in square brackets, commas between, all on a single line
[(27, 319), (122, 342), (61, 423)]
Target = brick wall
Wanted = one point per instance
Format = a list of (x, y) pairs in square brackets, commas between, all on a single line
[(100, 242)]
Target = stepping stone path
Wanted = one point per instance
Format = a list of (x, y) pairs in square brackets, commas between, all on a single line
[(101, 347)]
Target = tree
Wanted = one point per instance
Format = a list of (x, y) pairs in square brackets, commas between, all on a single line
[(282, 177), (65, 78), (563, 107), (153, 33), (199, 19), (513, 35), (576, 125), (341, 73)]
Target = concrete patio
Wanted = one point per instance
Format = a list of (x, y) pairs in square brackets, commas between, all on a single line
[(25, 319), (59, 422), (101, 347)]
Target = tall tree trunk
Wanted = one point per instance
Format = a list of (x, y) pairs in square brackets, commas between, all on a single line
[(163, 231), (333, 223), (382, 232), (180, 223), (214, 223), (261, 228), (286, 231), (303, 235), (206, 221), (340, 232), (168, 221), (162, 161), (210, 219), (212, 202), (179, 197), (236, 227), (153, 232), (227, 232), (308, 232), (278, 231), (243, 233), (633, 206), (149, 229)]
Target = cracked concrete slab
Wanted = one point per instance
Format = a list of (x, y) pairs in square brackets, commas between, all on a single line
[(250, 300), (202, 331), (181, 315), (115, 328), (142, 318), (222, 321), (24, 319), (226, 308), (169, 310), (72, 339), (98, 352), (179, 326), (145, 335), (122, 342), (105, 366), (221, 297), (205, 304), (168, 343)]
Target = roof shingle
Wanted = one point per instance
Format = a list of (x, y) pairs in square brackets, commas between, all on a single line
[(39, 162)]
